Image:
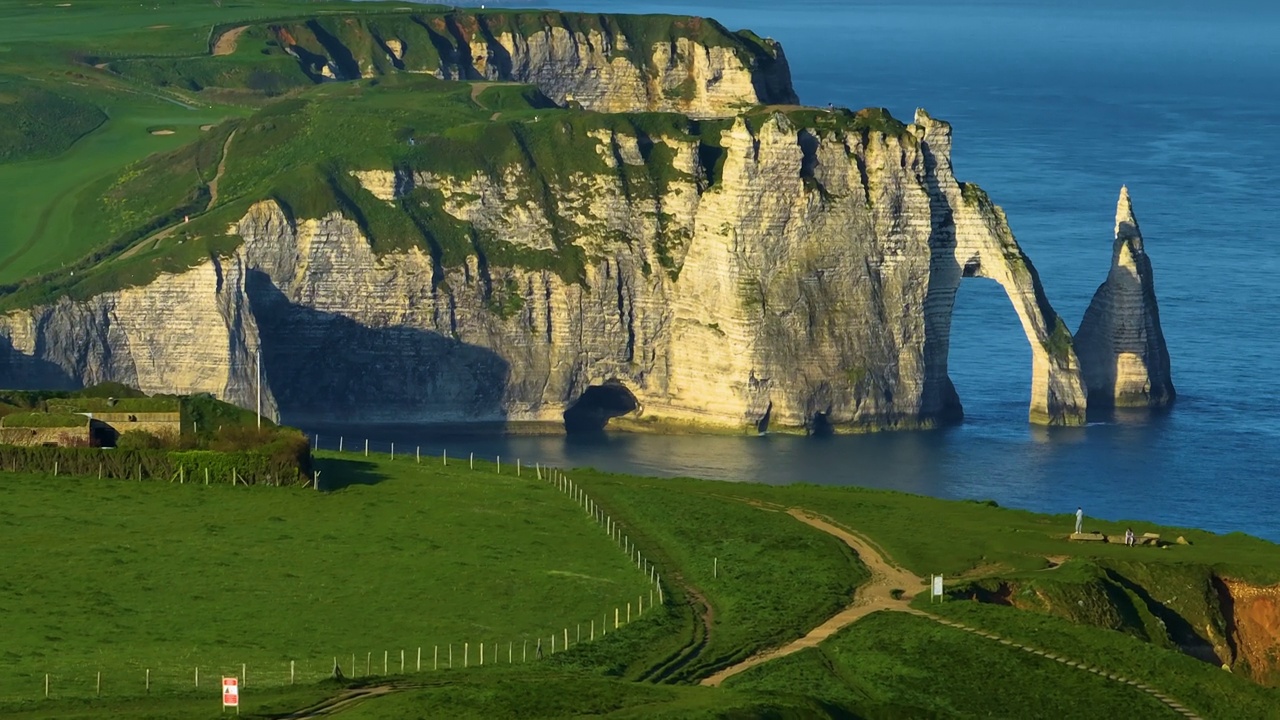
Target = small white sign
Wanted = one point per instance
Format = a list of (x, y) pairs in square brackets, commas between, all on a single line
[(230, 692), (937, 586)]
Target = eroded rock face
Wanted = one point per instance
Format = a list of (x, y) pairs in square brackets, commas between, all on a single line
[(613, 63), (1121, 346), (807, 280)]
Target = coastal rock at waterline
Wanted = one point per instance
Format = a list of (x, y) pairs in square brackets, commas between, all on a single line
[(803, 279), (1120, 343)]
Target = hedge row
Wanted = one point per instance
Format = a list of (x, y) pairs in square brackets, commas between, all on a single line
[(281, 463)]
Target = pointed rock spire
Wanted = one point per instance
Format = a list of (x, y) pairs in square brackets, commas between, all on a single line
[(1120, 343)]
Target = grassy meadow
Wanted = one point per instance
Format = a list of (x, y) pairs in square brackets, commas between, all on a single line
[(122, 577)]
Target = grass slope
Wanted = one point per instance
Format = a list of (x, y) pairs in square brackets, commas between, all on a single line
[(1204, 688), (168, 578), (893, 665)]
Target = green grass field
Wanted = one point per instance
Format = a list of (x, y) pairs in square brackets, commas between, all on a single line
[(897, 665), (125, 577), (122, 577)]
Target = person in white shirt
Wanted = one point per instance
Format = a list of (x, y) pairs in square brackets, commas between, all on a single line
[(1079, 520)]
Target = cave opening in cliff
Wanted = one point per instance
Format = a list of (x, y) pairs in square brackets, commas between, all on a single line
[(988, 359), (597, 406)]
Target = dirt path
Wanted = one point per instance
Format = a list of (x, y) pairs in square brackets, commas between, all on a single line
[(875, 594), (154, 239), (222, 167), (341, 702), (226, 42)]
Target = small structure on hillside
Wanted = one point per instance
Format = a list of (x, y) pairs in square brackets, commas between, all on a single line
[(40, 429), (92, 422), (112, 417)]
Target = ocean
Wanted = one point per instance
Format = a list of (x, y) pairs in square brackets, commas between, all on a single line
[(1055, 105)]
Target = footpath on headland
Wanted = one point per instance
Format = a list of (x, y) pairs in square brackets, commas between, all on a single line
[(878, 594)]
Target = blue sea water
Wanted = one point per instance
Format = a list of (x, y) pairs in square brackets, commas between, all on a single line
[(1055, 104)]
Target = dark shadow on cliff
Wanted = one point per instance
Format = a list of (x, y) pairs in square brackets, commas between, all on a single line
[(327, 368), (19, 371), (336, 474)]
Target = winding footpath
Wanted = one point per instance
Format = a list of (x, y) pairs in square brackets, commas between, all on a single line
[(876, 594)]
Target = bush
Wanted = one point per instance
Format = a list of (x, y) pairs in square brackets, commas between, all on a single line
[(139, 440)]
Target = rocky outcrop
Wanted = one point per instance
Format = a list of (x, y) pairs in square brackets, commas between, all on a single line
[(799, 278), (615, 63), (1120, 343)]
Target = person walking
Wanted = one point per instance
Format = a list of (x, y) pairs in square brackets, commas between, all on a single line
[(538, 649), (1128, 537), (1079, 520)]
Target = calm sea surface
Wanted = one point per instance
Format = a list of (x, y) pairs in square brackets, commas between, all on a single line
[(1055, 104)]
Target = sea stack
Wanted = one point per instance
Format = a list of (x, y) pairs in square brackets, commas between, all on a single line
[(1120, 344)]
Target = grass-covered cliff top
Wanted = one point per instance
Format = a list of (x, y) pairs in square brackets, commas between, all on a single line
[(301, 151)]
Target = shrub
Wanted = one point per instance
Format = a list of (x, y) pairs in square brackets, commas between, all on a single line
[(139, 440)]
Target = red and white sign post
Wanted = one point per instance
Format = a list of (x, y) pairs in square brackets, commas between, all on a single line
[(231, 694)]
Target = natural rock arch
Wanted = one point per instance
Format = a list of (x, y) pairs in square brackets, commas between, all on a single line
[(966, 243)]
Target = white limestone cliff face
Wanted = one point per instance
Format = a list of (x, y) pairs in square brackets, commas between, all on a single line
[(575, 58), (804, 283), (1121, 345), (592, 69)]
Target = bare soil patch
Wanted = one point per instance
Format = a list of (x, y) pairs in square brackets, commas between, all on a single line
[(226, 42)]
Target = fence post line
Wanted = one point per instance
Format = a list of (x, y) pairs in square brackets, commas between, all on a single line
[(524, 651), (98, 691), (566, 638), (368, 660), (419, 658), (353, 664), (466, 654), (46, 686), (148, 681), (473, 461), (339, 443), (499, 464), (628, 611), (290, 672), (579, 638), (417, 454), (511, 651), (517, 467), (393, 451), (444, 456), (450, 656), (553, 643), (615, 618), (366, 447), (593, 628), (385, 655), (435, 658), (197, 676), (402, 662), (244, 676)]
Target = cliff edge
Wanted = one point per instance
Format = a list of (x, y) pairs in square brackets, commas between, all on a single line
[(1121, 345)]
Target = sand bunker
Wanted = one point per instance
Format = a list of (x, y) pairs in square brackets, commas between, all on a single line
[(206, 128), (161, 132)]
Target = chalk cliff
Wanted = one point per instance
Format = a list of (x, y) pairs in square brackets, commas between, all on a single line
[(797, 273), (1120, 343), (609, 63)]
